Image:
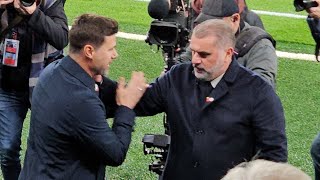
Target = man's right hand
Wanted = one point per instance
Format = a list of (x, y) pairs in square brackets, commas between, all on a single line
[(130, 94)]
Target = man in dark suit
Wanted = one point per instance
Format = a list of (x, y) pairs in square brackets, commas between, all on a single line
[(219, 113), (69, 135)]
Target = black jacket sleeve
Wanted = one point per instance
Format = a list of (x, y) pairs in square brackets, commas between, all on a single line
[(51, 25), (107, 94)]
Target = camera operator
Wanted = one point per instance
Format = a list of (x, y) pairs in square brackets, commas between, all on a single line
[(31, 34), (254, 46), (245, 13), (249, 16)]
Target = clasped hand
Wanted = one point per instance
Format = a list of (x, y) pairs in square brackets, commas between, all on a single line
[(130, 94)]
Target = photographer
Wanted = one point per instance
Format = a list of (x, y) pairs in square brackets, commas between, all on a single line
[(31, 31)]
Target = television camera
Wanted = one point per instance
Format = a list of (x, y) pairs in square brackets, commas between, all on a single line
[(301, 5), (170, 33), (27, 3), (170, 29)]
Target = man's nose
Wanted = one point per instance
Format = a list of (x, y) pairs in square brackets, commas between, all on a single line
[(196, 59)]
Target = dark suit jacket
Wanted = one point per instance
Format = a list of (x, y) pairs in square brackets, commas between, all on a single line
[(69, 136), (244, 119)]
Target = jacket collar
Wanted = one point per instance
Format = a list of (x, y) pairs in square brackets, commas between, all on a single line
[(223, 86), (75, 70), (232, 71)]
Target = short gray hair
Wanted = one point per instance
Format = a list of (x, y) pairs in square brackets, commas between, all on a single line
[(217, 28), (265, 170)]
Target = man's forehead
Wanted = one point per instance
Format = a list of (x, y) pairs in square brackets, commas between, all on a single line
[(206, 40)]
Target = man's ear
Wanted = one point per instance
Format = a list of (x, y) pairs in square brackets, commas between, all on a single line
[(229, 52), (235, 17), (88, 51)]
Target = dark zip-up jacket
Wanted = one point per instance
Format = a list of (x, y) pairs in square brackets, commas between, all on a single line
[(46, 24)]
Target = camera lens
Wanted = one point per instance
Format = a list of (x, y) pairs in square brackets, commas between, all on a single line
[(27, 3)]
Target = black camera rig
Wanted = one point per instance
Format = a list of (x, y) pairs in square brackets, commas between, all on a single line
[(157, 145), (27, 3), (171, 35), (301, 5)]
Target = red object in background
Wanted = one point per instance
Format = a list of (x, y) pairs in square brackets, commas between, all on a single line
[(11, 49)]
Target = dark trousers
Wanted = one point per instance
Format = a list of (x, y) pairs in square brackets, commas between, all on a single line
[(315, 154), (13, 109)]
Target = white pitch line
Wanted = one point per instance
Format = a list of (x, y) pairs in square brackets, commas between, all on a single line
[(289, 15), (270, 13), (300, 56), (131, 36), (280, 54)]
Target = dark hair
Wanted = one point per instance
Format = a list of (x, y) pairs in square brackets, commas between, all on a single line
[(90, 29)]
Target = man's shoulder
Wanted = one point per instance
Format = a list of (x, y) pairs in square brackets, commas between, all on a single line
[(48, 71), (252, 37), (57, 79), (251, 79), (181, 70), (182, 67)]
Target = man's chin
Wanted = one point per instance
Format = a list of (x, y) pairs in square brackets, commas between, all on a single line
[(199, 76)]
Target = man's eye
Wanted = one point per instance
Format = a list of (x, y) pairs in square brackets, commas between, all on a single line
[(203, 55)]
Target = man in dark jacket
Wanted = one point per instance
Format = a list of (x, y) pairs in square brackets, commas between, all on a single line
[(219, 113), (69, 136), (30, 33), (260, 57)]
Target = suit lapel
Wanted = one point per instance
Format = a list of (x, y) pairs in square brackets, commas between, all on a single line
[(222, 87)]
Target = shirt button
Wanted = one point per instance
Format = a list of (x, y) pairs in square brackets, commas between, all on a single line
[(199, 132), (196, 164)]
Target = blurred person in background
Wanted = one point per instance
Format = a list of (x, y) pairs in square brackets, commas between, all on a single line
[(245, 13), (265, 170), (35, 34)]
